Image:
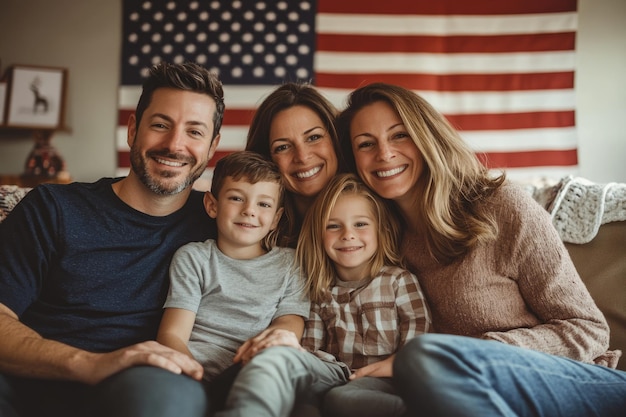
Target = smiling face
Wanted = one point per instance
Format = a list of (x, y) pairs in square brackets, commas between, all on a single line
[(350, 237), (386, 157), (245, 214), (303, 150), (172, 145)]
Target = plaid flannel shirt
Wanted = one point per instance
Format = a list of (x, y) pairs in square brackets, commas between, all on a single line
[(364, 322)]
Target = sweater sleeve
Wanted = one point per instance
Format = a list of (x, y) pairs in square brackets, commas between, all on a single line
[(532, 254)]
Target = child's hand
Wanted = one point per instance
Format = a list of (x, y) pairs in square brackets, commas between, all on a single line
[(378, 369), (268, 337)]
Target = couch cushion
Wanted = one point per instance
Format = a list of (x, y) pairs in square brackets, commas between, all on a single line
[(602, 266)]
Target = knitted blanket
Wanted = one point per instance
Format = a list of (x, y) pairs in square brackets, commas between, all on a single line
[(581, 207)]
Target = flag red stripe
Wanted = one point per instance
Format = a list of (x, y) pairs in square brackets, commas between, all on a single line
[(504, 121), (238, 116), (564, 41), (446, 7), (453, 82), (529, 159), (231, 117)]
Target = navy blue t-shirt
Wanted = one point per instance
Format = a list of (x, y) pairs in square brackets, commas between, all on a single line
[(80, 266)]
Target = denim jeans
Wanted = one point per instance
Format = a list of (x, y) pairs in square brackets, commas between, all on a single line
[(135, 392), (446, 375)]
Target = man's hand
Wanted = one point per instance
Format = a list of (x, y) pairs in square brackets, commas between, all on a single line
[(148, 353), (378, 369)]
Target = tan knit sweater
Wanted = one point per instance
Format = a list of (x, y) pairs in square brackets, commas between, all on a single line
[(522, 289)]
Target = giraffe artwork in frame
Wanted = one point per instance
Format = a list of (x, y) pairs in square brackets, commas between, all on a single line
[(36, 97)]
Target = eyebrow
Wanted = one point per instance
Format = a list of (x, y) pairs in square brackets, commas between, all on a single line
[(239, 190), (304, 133), (370, 135), (169, 119)]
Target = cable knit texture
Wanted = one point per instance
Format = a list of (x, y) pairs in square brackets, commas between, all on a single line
[(581, 207), (520, 289), (10, 195)]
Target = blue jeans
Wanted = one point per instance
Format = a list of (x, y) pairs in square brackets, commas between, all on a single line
[(446, 375), (136, 392)]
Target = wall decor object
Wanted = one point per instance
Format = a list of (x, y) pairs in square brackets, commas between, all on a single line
[(36, 97), (3, 98)]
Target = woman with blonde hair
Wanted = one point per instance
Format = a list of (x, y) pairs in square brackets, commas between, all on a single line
[(520, 333)]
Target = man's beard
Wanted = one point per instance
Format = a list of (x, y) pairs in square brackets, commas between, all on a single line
[(155, 184)]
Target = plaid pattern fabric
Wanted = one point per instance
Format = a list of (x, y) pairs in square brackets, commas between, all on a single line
[(365, 322)]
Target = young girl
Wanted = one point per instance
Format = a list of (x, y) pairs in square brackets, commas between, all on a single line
[(364, 308)]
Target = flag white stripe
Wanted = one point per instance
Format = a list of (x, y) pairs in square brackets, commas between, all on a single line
[(482, 102), (451, 63), (247, 98), (527, 174), (355, 24), (521, 139)]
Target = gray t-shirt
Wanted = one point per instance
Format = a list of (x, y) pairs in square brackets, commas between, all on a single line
[(233, 299)]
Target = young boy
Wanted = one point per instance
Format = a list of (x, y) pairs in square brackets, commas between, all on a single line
[(232, 297)]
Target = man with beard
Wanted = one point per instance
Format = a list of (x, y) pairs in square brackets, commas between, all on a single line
[(84, 268)]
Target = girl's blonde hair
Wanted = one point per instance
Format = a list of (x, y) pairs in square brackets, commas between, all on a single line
[(454, 183), (314, 263)]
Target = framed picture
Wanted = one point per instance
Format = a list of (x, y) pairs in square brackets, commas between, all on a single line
[(36, 97), (3, 99)]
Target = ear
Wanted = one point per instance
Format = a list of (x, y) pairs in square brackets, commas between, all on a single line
[(210, 204), (213, 147), (277, 217), (132, 130)]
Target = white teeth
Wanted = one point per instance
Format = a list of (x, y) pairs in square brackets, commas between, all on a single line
[(308, 173), (391, 172), (170, 163)]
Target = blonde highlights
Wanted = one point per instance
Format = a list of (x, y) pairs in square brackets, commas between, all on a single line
[(454, 183), (314, 263)]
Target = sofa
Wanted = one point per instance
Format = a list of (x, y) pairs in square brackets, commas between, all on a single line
[(591, 220)]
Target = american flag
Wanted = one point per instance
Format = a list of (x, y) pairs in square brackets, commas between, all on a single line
[(501, 71)]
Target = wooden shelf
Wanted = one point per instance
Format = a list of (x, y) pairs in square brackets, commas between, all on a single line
[(33, 180)]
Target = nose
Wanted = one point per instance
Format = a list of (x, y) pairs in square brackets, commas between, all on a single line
[(174, 140), (301, 153), (385, 151), (248, 210), (347, 234)]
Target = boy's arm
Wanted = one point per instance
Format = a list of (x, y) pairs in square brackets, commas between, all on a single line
[(284, 331), (175, 329)]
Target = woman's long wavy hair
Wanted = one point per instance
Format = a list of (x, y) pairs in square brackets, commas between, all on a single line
[(284, 97), (454, 183), (314, 263)]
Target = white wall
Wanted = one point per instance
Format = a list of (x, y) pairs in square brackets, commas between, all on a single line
[(85, 37)]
